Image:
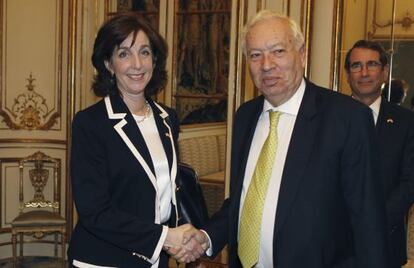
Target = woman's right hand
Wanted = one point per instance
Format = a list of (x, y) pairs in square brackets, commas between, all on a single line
[(186, 248)]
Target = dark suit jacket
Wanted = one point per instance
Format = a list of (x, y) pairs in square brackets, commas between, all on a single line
[(114, 185), (330, 204), (395, 127)]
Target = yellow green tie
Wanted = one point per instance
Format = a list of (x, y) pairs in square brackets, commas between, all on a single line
[(251, 216)]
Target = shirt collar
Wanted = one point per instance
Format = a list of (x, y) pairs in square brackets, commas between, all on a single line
[(292, 105), (375, 106)]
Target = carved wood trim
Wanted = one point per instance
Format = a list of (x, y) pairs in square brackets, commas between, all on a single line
[(29, 110)]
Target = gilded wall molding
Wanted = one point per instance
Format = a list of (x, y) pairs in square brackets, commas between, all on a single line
[(6, 162), (29, 110), (405, 21), (72, 64), (336, 44), (306, 21)]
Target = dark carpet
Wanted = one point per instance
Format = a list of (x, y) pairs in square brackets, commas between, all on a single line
[(33, 262)]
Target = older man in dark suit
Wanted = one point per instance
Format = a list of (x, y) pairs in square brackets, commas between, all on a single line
[(367, 69), (304, 188)]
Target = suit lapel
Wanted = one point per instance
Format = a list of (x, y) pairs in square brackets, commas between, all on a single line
[(164, 129), (301, 143), (385, 118), (126, 127), (246, 140), (239, 158), (129, 132)]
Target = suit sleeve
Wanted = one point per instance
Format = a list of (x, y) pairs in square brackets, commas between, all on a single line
[(92, 196), (362, 192), (218, 227), (402, 196)]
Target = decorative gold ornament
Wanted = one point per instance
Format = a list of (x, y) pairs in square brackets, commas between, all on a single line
[(29, 110), (406, 22)]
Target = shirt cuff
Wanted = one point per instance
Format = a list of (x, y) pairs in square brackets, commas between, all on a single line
[(209, 251)]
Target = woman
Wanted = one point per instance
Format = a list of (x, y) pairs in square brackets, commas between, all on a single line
[(123, 160)]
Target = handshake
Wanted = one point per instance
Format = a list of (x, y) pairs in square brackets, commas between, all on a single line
[(185, 243)]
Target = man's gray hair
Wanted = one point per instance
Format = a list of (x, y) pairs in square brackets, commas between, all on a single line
[(264, 15)]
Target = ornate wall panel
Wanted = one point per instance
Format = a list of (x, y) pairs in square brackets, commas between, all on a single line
[(379, 19), (33, 60), (36, 59)]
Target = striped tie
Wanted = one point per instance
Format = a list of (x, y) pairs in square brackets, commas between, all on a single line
[(251, 217)]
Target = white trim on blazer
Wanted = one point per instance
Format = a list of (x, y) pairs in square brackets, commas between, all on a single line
[(118, 127)]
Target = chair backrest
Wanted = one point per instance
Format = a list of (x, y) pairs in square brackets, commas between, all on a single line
[(205, 154), (38, 169)]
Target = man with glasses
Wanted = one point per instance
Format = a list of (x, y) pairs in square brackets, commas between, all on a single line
[(367, 69)]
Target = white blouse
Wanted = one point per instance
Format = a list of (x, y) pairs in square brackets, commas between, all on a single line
[(152, 139)]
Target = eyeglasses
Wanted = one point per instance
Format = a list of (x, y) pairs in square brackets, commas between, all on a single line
[(371, 65)]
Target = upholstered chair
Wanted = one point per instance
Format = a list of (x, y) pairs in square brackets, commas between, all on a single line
[(38, 216)]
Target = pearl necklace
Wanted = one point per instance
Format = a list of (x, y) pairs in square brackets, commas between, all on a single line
[(146, 114)]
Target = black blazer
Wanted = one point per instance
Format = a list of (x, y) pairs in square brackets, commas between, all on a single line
[(395, 127), (114, 186), (330, 204)]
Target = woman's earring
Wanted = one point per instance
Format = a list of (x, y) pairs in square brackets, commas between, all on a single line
[(113, 79)]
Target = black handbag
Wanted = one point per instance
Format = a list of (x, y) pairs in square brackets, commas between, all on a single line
[(191, 202)]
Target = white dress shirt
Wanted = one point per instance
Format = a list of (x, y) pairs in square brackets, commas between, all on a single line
[(152, 138), (289, 111), (375, 107)]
